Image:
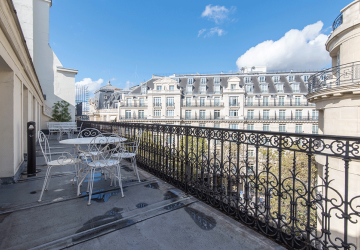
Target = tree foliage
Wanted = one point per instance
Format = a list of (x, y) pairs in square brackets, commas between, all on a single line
[(61, 112)]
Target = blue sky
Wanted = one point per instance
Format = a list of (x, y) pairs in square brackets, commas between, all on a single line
[(135, 39)]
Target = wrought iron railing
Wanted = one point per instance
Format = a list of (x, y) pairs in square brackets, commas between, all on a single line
[(342, 75), (338, 21), (298, 189)]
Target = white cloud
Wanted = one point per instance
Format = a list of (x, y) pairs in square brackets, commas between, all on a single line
[(297, 49), (217, 13), (92, 85), (201, 31), (112, 79)]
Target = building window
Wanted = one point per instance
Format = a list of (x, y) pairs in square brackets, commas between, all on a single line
[(266, 127), (233, 86), (170, 102), (315, 129), (250, 153), (291, 78), (306, 78), (250, 114), (217, 80), (105, 97), (171, 87), (282, 114), (188, 114), (158, 87), (247, 79), (202, 101), (157, 112), (188, 101), (281, 101), (266, 114), (116, 105), (203, 80), (297, 100), (266, 101), (157, 101), (188, 124), (261, 79), (264, 88), (217, 101), (280, 88), (202, 114), (234, 101), (202, 125), (249, 88), (141, 114), (298, 128), (233, 126), (189, 89), (143, 89), (190, 81), (216, 114), (250, 127), (203, 89), (128, 114), (142, 102), (250, 101), (128, 102), (298, 114), (170, 113), (217, 89), (315, 114), (276, 79), (233, 113), (295, 88), (282, 128)]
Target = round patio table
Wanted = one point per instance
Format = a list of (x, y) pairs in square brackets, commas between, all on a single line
[(88, 140)]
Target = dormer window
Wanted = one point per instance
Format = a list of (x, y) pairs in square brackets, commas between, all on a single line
[(247, 79), (295, 87), (216, 80), (306, 78), (261, 79), (191, 81), (189, 89), (176, 79), (280, 88), (203, 80), (171, 87), (158, 87), (290, 78), (143, 89), (249, 88), (105, 97), (217, 89), (276, 79), (264, 88), (233, 86), (203, 89)]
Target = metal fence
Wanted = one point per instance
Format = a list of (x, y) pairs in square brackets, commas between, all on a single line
[(338, 21), (284, 185)]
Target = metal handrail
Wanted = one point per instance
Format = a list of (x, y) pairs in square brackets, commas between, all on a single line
[(338, 21)]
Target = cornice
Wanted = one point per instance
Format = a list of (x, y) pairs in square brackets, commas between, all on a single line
[(333, 92), (75, 71)]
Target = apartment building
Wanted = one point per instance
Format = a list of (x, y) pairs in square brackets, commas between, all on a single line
[(253, 100)]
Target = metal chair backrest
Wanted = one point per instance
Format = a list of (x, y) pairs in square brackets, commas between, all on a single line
[(89, 132), (44, 145), (105, 145)]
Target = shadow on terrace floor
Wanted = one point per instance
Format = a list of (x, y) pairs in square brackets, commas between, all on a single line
[(152, 215)]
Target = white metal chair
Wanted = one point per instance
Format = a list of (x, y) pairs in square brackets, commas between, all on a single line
[(65, 159), (129, 151), (104, 145)]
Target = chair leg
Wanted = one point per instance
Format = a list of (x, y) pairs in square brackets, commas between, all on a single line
[(48, 181), (80, 183), (92, 176), (44, 185), (135, 167), (119, 178)]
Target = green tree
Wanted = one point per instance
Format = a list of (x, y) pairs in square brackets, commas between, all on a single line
[(61, 112)]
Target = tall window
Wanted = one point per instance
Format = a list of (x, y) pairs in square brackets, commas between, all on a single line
[(189, 89), (266, 114), (250, 127), (128, 114), (157, 101), (306, 78), (142, 102), (264, 88), (188, 101), (281, 100), (234, 101), (280, 88), (143, 89), (266, 127), (282, 128), (190, 81), (217, 80), (216, 114), (249, 88), (203, 80), (203, 89), (170, 113), (116, 105), (141, 114), (157, 112), (261, 79), (297, 100), (202, 114), (170, 102), (217, 89), (233, 86), (298, 128), (298, 114), (291, 78), (247, 79), (188, 114), (171, 87), (217, 101), (266, 101), (276, 79), (315, 114), (128, 102), (233, 126), (233, 113), (158, 87), (250, 114), (250, 101), (282, 114), (295, 88), (202, 101), (315, 128)]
